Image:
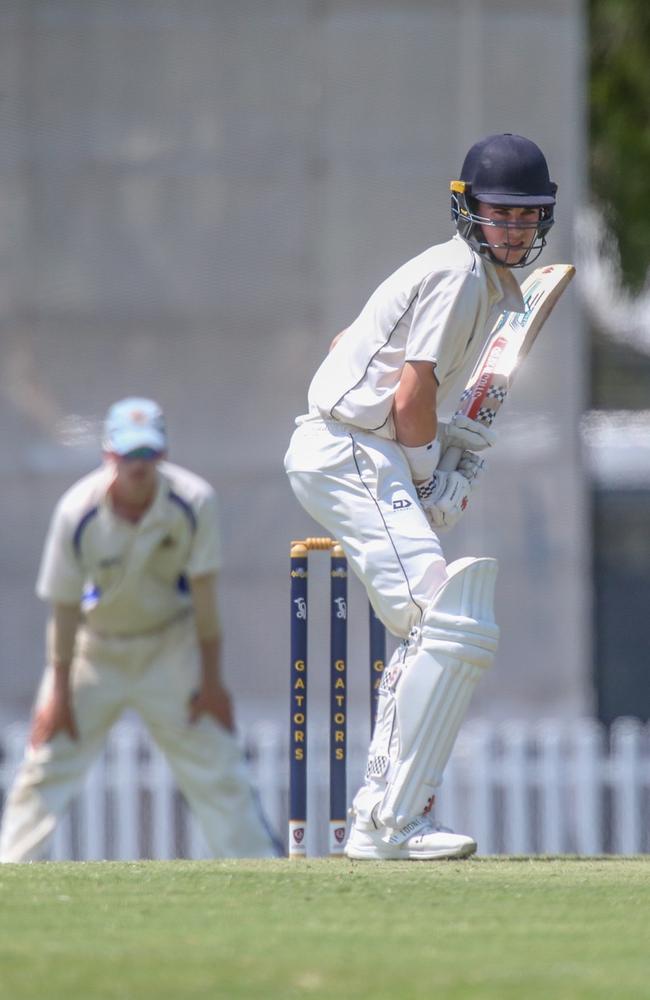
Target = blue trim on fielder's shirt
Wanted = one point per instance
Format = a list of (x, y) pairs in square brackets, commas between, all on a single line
[(90, 597), (76, 538), (185, 507)]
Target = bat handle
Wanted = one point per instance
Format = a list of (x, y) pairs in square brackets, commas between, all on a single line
[(450, 459)]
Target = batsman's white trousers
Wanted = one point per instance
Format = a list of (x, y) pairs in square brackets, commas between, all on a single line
[(155, 675), (359, 487)]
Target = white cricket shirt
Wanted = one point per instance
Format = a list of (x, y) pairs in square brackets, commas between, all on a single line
[(130, 578), (437, 307)]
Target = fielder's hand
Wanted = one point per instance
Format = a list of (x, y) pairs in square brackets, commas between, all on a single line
[(212, 699), (445, 496), (55, 716)]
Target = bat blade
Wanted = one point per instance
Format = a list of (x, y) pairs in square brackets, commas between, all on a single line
[(510, 340)]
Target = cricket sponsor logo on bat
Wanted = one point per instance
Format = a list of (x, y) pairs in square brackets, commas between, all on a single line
[(509, 342)]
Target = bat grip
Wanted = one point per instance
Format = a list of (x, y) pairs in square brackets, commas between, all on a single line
[(450, 459)]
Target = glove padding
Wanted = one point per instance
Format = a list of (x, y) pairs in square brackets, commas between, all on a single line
[(445, 496), (464, 433)]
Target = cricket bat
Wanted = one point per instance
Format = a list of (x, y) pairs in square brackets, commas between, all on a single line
[(509, 342)]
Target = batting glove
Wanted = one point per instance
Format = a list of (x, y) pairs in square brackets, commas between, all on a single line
[(465, 433), (445, 496)]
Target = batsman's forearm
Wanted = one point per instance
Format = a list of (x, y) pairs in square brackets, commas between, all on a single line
[(414, 405)]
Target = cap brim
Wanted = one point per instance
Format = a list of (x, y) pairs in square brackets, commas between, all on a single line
[(514, 199), (127, 441)]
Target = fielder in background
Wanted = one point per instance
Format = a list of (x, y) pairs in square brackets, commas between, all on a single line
[(364, 462), (130, 568)]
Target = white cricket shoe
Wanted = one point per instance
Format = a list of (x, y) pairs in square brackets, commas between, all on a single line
[(419, 840)]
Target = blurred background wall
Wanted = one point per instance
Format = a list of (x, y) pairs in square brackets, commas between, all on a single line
[(194, 197)]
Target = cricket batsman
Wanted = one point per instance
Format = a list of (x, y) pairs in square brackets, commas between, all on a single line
[(364, 462)]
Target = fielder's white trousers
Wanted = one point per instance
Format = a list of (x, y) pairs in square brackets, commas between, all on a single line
[(155, 675), (359, 487)]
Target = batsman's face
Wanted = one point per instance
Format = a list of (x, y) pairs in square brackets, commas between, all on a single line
[(509, 229)]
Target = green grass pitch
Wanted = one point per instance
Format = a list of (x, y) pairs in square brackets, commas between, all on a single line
[(498, 928)]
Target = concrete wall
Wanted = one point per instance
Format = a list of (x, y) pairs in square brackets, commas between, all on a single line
[(194, 197)]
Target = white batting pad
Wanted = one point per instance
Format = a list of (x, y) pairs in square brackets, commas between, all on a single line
[(427, 694)]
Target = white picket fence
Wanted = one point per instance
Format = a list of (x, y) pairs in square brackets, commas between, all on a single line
[(548, 788)]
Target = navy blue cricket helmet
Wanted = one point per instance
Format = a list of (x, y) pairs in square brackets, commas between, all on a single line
[(503, 169)]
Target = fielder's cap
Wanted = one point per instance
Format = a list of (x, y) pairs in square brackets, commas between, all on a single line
[(132, 424), (508, 169)]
